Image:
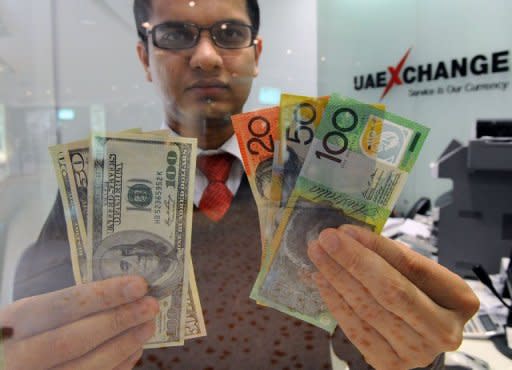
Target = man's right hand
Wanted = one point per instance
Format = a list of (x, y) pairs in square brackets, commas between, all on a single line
[(100, 325)]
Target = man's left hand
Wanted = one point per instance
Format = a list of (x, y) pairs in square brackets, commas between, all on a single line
[(400, 309)]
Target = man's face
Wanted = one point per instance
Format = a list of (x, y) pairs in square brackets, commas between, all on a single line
[(205, 82)]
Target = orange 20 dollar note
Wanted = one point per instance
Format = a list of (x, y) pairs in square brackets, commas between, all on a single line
[(256, 132)]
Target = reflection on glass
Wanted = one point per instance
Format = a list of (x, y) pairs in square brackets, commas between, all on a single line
[(3, 149)]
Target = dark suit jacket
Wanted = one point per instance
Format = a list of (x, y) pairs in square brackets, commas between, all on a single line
[(226, 256)]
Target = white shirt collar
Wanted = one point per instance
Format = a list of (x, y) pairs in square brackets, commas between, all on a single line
[(235, 175)]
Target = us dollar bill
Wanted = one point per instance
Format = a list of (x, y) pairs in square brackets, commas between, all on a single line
[(354, 172), (194, 320), (76, 158), (140, 219), (74, 223)]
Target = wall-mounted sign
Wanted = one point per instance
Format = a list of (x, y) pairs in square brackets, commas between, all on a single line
[(467, 67)]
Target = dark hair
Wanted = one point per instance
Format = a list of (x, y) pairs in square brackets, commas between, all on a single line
[(142, 12)]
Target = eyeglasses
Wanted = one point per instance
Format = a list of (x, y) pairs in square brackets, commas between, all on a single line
[(179, 35)]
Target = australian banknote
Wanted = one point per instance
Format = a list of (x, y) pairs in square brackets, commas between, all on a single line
[(298, 120), (139, 219), (299, 116), (355, 169), (256, 133)]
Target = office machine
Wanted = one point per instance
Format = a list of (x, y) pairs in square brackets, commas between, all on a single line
[(475, 218)]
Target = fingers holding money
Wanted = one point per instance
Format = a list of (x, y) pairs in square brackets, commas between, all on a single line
[(429, 276), (104, 333), (375, 349), (385, 299), (403, 341), (105, 338), (34, 315), (121, 352), (387, 285)]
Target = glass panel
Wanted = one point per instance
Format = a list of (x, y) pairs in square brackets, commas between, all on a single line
[(358, 50), (199, 223), (27, 128)]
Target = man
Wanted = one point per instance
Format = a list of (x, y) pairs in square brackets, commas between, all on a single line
[(398, 309)]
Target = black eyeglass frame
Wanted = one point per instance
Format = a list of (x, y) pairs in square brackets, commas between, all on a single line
[(201, 29)]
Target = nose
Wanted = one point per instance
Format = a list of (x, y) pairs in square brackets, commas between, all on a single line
[(205, 55)]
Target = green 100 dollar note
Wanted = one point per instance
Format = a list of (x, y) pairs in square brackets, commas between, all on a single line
[(140, 219), (354, 172)]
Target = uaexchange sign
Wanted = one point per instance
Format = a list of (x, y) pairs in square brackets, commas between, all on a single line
[(465, 67)]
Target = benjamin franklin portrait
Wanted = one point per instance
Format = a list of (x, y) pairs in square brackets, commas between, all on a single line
[(139, 253)]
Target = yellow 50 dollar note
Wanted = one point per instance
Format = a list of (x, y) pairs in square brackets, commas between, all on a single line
[(298, 120)]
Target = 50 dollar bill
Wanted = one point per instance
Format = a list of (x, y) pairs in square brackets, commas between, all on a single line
[(74, 222), (71, 163)]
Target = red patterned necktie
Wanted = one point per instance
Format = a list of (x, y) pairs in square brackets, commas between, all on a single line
[(216, 198)]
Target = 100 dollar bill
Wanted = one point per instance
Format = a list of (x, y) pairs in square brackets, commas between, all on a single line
[(140, 219), (354, 172), (194, 321), (77, 160)]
